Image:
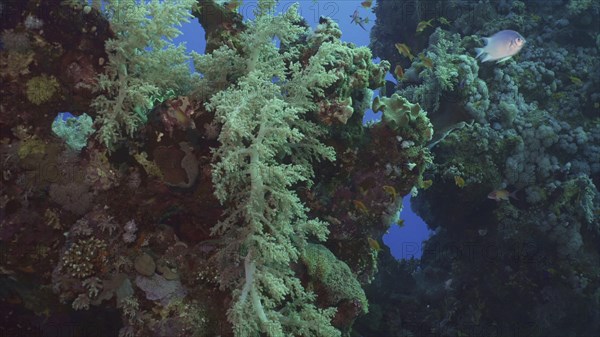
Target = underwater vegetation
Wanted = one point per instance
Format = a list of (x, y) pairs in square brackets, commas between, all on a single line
[(247, 197)]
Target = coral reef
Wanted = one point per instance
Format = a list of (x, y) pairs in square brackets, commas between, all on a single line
[(248, 198), (527, 128), (243, 199)]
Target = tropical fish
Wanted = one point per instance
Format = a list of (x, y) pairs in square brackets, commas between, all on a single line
[(427, 62), (576, 80), (421, 26), (400, 223), (501, 46), (233, 5), (459, 181), (390, 190), (360, 206), (374, 244), (399, 72), (502, 195), (426, 184), (404, 50), (358, 20), (443, 20), (367, 3)]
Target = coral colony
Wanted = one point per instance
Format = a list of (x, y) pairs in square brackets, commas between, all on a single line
[(248, 198)]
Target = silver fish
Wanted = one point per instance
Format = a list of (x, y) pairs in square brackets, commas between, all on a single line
[(501, 46)]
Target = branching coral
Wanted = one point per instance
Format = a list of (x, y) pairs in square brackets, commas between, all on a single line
[(268, 146), (143, 66)]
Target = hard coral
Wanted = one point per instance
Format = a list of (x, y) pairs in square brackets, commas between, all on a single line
[(42, 88), (85, 257), (333, 277)]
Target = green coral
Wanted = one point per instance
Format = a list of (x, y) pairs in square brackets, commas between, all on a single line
[(144, 67), (578, 196), (40, 89), (399, 114), (335, 275), (268, 148), (453, 73), (74, 130), (578, 6)]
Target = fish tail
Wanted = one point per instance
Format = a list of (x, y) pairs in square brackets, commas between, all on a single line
[(479, 51), (513, 195)]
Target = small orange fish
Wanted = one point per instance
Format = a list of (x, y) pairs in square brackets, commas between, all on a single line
[(502, 195), (360, 206), (15, 299), (374, 244), (427, 62), (399, 72), (404, 50), (459, 181), (367, 3), (421, 26), (233, 5)]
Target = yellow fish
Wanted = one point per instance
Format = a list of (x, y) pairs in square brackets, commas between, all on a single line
[(443, 20), (421, 26), (390, 190), (459, 181), (404, 50), (360, 206), (374, 244), (426, 184), (576, 80), (400, 223), (427, 62)]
